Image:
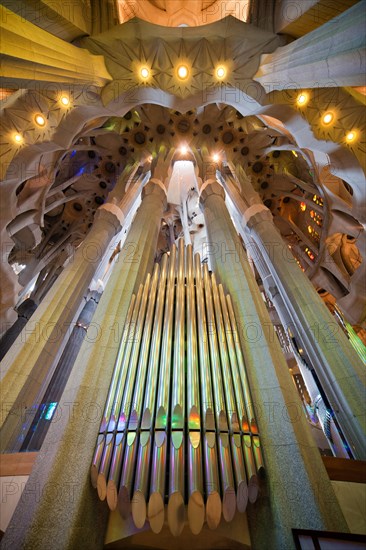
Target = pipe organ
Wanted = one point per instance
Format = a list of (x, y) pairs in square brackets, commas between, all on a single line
[(178, 437)]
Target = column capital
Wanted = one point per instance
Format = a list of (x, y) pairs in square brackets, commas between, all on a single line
[(111, 213), (255, 214), (155, 187), (209, 188)]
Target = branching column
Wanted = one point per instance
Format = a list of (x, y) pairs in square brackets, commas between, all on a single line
[(40, 342), (334, 438), (31, 56), (72, 511), (337, 365), (293, 463), (332, 55)]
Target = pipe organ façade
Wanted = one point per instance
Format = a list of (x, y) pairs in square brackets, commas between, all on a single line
[(178, 427)]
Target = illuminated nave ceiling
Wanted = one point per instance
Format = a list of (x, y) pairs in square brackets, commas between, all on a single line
[(308, 173)]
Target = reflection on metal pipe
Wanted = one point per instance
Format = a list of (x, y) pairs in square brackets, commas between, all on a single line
[(155, 509), (213, 500), (153, 368), (178, 434), (139, 510), (167, 345), (236, 379), (225, 364), (116, 385), (196, 505), (241, 366), (176, 509), (207, 405), (111, 419), (178, 386), (217, 384)]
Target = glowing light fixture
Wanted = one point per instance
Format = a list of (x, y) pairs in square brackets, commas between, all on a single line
[(351, 136), (327, 118), (216, 157), (184, 149), (182, 72), (302, 99), (144, 73), (65, 100), (302, 206), (40, 120), (295, 154), (220, 72), (18, 138)]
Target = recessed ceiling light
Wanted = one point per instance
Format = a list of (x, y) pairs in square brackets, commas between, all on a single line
[(302, 98), (40, 120), (351, 136), (220, 72), (65, 100), (182, 72), (327, 118), (216, 157), (184, 149), (18, 138), (145, 73)]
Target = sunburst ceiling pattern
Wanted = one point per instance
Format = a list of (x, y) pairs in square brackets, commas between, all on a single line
[(228, 43)]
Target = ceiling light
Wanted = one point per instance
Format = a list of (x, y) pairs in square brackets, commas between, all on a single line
[(351, 136), (216, 157), (18, 138), (302, 99), (145, 73), (182, 72), (220, 72), (40, 120), (327, 118), (65, 100), (184, 149)]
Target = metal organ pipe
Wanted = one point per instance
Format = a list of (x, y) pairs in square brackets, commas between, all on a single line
[(210, 459), (178, 435)]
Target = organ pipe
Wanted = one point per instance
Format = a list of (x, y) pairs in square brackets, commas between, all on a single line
[(178, 438)]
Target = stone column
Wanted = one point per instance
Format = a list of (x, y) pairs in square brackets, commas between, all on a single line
[(336, 363), (40, 342), (69, 507), (25, 311), (33, 435), (32, 56), (298, 493), (303, 63), (322, 410)]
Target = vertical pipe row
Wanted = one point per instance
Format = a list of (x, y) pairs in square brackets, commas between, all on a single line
[(117, 421), (248, 437), (196, 505), (155, 509), (210, 460), (132, 398), (179, 402), (176, 510), (140, 495), (112, 399)]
